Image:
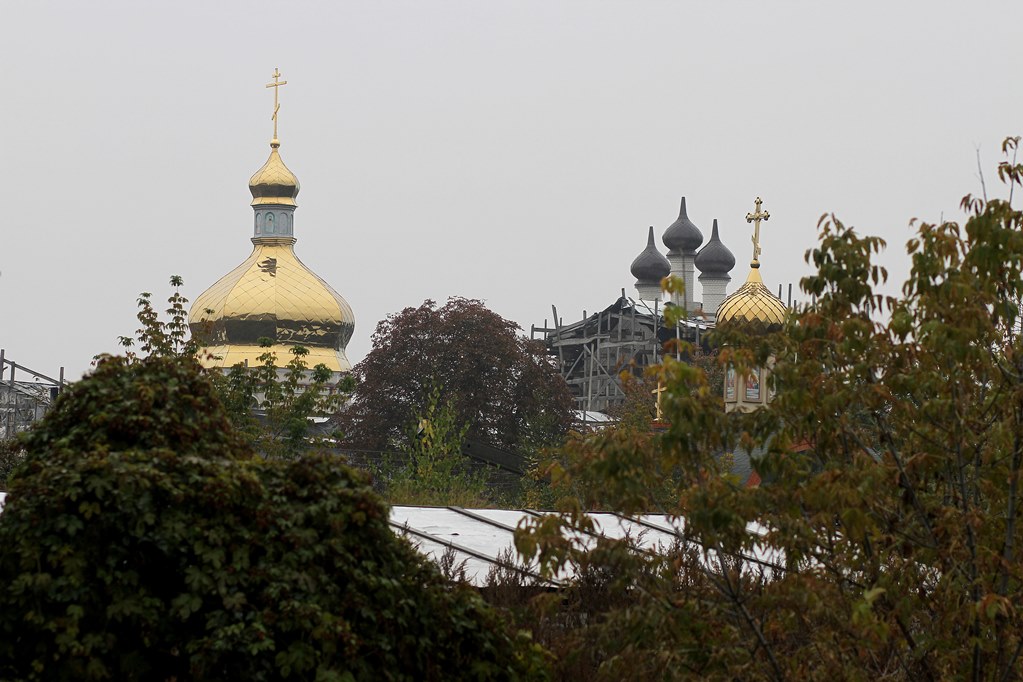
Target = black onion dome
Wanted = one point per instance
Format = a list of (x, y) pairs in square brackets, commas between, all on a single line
[(714, 258), (650, 265), (683, 234)]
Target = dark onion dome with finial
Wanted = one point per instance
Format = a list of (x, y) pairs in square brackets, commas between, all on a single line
[(714, 258), (650, 265), (752, 307), (682, 235)]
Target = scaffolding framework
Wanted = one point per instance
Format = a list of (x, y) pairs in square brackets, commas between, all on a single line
[(24, 400), (591, 353)]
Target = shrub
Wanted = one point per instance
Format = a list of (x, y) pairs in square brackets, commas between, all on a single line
[(144, 540)]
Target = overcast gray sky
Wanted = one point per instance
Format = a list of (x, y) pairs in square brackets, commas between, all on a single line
[(510, 151)]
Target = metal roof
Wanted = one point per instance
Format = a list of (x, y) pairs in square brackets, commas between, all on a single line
[(483, 540)]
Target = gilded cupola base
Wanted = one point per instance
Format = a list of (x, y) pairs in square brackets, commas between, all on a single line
[(248, 356)]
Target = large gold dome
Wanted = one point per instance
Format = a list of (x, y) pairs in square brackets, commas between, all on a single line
[(272, 295), (752, 305)]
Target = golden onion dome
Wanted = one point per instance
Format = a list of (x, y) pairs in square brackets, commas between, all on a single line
[(752, 305), (272, 295), (274, 183)]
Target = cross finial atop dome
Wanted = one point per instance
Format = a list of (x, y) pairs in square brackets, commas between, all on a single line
[(755, 218), (753, 304), (276, 85), (274, 183)]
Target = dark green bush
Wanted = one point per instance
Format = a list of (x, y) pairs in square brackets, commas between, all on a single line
[(143, 540), (11, 455)]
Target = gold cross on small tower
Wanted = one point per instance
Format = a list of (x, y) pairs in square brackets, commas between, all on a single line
[(276, 85), (755, 218)]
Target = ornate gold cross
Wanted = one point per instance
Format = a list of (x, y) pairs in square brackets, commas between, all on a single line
[(276, 85), (755, 218)]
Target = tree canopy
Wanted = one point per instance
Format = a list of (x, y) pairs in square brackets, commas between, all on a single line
[(143, 539), (893, 453), (501, 385)]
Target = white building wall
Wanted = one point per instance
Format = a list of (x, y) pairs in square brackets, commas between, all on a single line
[(678, 270), (713, 293), (682, 266), (648, 291), (688, 267)]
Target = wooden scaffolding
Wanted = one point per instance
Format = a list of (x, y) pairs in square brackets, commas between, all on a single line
[(628, 335)]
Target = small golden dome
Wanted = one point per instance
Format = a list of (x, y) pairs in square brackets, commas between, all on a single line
[(753, 305), (273, 295), (274, 183)]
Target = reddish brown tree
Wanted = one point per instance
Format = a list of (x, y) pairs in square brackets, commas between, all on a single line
[(501, 385)]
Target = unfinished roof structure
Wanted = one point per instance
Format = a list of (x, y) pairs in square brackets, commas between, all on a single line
[(627, 335), (630, 333), (23, 401)]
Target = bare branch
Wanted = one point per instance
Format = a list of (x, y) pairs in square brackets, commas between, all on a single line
[(980, 174)]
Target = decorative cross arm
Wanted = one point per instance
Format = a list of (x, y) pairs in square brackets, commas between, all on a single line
[(276, 85), (755, 218)]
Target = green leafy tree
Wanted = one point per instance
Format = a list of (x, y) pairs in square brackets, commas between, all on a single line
[(891, 503), (639, 408), (272, 406), (143, 539), (275, 406), (156, 337), (435, 471)]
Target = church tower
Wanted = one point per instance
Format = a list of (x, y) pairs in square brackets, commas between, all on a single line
[(714, 261), (272, 294), (756, 310), (683, 238)]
